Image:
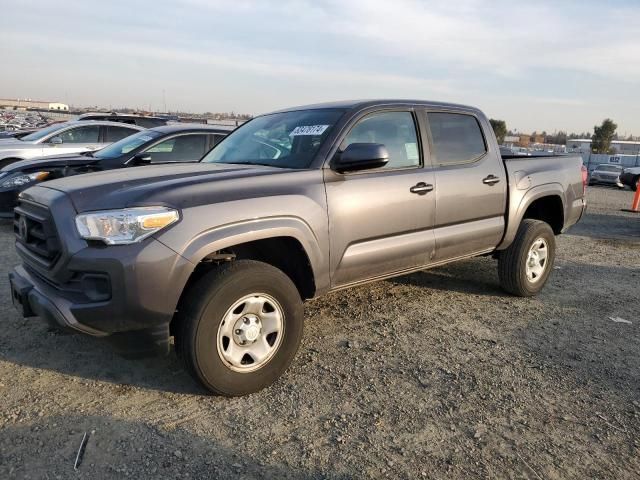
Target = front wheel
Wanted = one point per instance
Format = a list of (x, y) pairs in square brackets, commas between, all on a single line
[(523, 268), (239, 327)]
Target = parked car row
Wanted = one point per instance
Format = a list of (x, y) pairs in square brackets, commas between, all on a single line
[(17, 124), (220, 254), (171, 143), (64, 138)]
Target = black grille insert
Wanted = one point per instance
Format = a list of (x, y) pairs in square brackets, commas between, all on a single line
[(36, 236)]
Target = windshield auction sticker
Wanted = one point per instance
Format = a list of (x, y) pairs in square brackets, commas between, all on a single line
[(308, 130)]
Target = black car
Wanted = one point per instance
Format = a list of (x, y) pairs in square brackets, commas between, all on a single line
[(171, 143)]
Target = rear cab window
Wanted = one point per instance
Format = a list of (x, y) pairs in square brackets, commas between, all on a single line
[(456, 138)]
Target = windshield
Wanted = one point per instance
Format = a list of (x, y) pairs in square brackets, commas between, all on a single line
[(43, 132), (286, 140), (127, 144), (608, 168)]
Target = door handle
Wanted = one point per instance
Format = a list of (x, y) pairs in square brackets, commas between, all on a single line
[(490, 180), (421, 188)]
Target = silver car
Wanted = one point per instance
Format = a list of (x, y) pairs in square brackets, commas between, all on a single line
[(606, 174), (63, 139)]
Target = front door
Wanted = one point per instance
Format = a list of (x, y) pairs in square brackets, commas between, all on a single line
[(380, 221), (76, 139)]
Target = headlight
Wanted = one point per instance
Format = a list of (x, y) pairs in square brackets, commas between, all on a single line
[(121, 227), (24, 179)]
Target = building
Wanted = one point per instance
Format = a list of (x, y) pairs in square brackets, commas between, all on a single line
[(622, 147), (18, 104), (523, 140)]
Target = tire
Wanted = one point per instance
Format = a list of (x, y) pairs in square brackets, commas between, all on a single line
[(201, 328), (512, 262)]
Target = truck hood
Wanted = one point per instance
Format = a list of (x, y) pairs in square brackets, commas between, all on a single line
[(175, 185), (49, 162)]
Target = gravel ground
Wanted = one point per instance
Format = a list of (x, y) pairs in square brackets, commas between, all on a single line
[(436, 374)]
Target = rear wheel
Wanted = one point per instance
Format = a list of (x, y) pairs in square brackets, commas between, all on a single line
[(523, 268), (239, 327)]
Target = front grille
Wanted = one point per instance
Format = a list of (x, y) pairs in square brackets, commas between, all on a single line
[(36, 236)]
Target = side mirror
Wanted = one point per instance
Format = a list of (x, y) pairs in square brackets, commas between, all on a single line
[(361, 156), (142, 159), (55, 140)]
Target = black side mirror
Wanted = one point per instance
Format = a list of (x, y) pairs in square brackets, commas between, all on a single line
[(142, 159), (361, 156)]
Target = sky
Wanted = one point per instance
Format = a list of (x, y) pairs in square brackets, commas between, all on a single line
[(543, 65)]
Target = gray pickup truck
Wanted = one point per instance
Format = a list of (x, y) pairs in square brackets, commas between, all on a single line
[(221, 255)]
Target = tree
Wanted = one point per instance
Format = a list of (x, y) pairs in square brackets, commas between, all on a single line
[(500, 129), (602, 136)]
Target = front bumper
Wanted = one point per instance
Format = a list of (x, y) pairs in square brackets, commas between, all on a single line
[(35, 298), (605, 180), (135, 313)]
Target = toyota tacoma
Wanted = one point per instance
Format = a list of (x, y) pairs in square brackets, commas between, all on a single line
[(220, 255)]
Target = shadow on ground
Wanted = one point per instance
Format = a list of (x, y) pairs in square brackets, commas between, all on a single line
[(116, 448)]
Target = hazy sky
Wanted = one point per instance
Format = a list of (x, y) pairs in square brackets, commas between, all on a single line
[(538, 65)]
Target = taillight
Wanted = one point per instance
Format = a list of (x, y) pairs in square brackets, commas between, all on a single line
[(585, 175)]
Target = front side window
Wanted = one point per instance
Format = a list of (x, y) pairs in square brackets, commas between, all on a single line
[(457, 138), (186, 148), (609, 168), (286, 140), (88, 134), (395, 130)]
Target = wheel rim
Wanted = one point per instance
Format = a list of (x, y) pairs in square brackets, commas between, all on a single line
[(250, 333), (537, 260)]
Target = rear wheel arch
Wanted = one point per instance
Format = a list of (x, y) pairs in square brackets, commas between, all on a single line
[(528, 207), (549, 209)]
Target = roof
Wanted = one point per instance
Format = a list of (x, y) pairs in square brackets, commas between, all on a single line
[(116, 114), (619, 142), (194, 127), (360, 104), (98, 122)]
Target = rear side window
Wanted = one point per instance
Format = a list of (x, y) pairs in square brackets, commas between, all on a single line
[(186, 148), (118, 133), (395, 130), (457, 138)]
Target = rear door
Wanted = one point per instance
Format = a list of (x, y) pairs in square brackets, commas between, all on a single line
[(380, 221), (470, 185)]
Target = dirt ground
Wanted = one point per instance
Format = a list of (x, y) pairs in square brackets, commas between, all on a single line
[(437, 375)]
